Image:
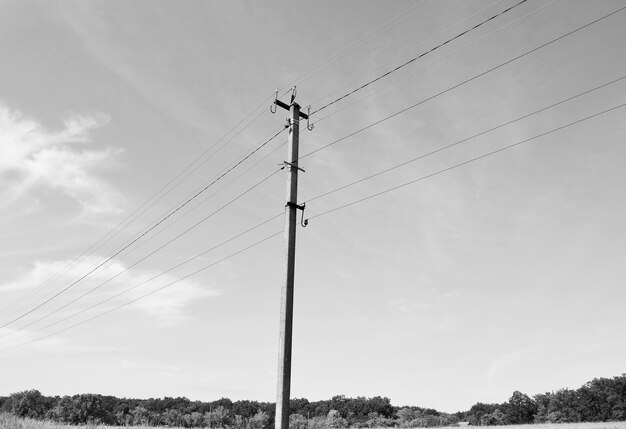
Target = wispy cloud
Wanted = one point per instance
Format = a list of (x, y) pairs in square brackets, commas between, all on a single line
[(167, 306), (33, 157)]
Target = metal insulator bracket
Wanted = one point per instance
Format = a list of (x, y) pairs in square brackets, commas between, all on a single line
[(309, 126), (273, 105), (304, 222)]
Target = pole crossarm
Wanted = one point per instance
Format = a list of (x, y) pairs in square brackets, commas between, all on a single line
[(287, 107)]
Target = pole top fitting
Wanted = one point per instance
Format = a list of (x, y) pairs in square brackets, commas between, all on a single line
[(293, 94)]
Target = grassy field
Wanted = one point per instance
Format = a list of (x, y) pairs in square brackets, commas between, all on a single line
[(598, 425), (7, 421)]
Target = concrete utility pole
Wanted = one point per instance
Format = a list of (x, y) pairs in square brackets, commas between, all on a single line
[(286, 303)]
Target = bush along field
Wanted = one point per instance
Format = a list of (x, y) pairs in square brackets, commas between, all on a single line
[(601, 400)]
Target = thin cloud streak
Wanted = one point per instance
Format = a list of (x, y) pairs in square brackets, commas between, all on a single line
[(167, 307)]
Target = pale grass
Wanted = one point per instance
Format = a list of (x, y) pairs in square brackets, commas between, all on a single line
[(588, 425), (8, 421)]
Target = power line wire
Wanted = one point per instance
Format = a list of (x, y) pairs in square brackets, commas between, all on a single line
[(119, 273), (147, 294), (377, 194), (203, 253), (118, 228), (462, 83), (171, 224), (185, 213), (456, 51), (217, 177), (148, 230), (458, 142), (365, 85), (407, 50), (165, 186), (205, 199), (333, 57), (496, 30), (339, 208)]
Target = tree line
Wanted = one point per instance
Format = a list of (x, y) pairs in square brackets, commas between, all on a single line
[(602, 399), (337, 412)]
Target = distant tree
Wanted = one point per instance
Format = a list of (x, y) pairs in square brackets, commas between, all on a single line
[(245, 409), (299, 406), (478, 410), (259, 421), (617, 398), (29, 403), (82, 409), (239, 422), (123, 419), (222, 402), (406, 414), (193, 419), (543, 407), (335, 421), (449, 420), (317, 422), (564, 407), (603, 399), (5, 404), (172, 417), (497, 418), (380, 405), (140, 416), (181, 404), (521, 409), (460, 415), (298, 421), (217, 418), (322, 408), (425, 421), (375, 420)]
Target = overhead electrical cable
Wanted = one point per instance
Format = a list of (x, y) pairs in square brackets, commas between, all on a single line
[(161, 247), (426, 66), (501, 149), (412, 60), (462, 83), (167, 226), (335, 56), (458, 142), (436, 173), (148, 229), (142, 207), (348, 84), (204, 268), (249, 154), (190, 199), (91, 249), (204, 200), (257, 226)]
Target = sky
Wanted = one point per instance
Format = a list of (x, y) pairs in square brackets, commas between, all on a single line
[(502, 274)]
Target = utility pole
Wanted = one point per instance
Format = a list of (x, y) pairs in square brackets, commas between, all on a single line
[(286, 303)]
